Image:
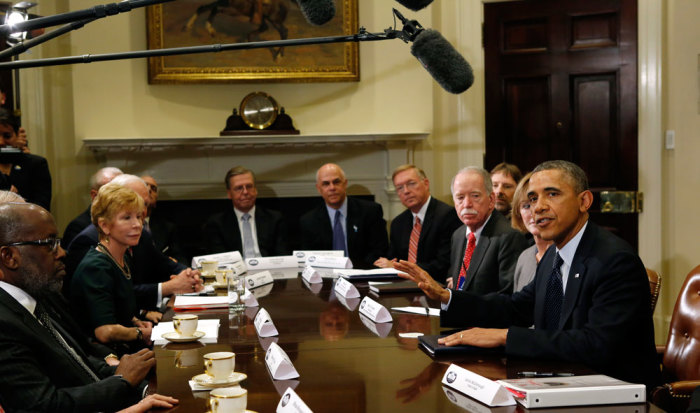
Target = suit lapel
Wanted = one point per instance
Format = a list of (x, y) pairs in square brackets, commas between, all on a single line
[(577, 274), (541, 276), (426, 224), (351, 225), (234, 236)]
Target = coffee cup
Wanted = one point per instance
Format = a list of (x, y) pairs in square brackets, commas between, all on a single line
[(185, 324), (221, 276), (209, 267), (228, 400), (219, 365)]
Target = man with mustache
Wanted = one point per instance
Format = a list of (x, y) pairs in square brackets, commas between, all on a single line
[(589, 301), (486, 248), (505, 177)]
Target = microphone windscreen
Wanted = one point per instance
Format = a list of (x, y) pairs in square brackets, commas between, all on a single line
[(415, 5), (442, 61), (317, 12)]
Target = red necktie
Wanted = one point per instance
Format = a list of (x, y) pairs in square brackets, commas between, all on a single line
[(471, 244), (413, 241)]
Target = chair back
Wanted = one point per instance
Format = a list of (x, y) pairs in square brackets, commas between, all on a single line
[(682, 356), (654, 286)]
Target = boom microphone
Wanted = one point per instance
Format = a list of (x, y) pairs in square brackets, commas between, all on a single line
[(437, 55), (317, 12), (415, 5)]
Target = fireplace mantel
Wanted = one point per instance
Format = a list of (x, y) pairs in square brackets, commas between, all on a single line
[(285, 165)]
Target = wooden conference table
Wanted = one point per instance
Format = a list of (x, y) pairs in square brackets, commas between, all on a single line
[(343, 365)]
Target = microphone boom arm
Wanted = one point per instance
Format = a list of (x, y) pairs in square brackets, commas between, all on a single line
[(361, 36)]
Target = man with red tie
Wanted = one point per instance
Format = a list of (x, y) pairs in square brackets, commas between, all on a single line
[(421, 234), (486, 248)]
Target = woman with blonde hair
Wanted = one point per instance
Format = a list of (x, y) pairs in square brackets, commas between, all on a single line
[(102, 289), (523, 219)]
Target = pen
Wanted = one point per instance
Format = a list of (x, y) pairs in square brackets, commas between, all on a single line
[(543, 374)]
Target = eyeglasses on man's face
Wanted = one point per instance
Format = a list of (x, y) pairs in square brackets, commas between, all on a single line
[(52, 243)]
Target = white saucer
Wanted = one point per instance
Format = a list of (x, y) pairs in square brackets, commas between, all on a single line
[(175, 337), (206, 380), (219, 285), (207, 275), (246, 411)]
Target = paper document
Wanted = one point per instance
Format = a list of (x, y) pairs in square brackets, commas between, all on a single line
[(435, 312)]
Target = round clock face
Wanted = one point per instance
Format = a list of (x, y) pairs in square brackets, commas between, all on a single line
[(259, 110)]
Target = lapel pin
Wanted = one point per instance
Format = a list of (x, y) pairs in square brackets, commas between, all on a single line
[(354, 227), (576, 276)]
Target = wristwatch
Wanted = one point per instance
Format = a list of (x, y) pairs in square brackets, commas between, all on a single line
[(139, 334)]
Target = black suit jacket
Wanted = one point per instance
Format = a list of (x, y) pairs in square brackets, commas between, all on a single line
[(150, 266), (493, 262), (38, 375), (223, 234), (365, 226), (31, 176), (435, 237), (606, 319), (165, 237), (74, 227)]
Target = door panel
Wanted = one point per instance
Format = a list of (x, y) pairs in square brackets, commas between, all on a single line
[(561, 83)]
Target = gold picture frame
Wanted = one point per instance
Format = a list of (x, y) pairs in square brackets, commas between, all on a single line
[(176, 24)]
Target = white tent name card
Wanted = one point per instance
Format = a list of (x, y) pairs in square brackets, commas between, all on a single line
[(292, 403), (222, 258), (480, 388), (263, 324), (237, 267), (269, 263), (374, 311), (258, 279), (345, 288), (311, 275), (324, 261), (249, 299), (278, 362), (380, 329)]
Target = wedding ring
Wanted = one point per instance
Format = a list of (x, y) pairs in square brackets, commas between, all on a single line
[(461, 336), (193, 287)]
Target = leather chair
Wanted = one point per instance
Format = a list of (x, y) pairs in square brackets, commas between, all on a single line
[(654, 286), (681, 355)]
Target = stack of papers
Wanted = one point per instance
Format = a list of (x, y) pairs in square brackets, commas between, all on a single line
[(185, 303), (378, 273)]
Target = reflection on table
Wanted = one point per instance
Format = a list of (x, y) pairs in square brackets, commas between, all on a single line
[(344, 366)]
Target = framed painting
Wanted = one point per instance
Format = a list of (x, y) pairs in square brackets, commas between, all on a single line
[(185, 23)]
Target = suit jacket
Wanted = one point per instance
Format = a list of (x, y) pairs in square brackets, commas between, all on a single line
[(365, 226), (150, 266), (435, 237), (74, 227), (606, 319), (165, 237), (223, 234), (493, 261), (31, 176), (38, 375)]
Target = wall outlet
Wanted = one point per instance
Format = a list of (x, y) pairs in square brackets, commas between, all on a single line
[(670, 139)]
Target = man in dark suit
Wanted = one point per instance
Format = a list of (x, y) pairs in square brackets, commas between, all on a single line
[(589, 301), (350, 224), (485, 249), (421, 233), (82, 221), (155, 275), (25, 174), (45, 366), (250, 229)]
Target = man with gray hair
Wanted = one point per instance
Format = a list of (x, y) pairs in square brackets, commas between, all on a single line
[(79, 223), (486, 248)]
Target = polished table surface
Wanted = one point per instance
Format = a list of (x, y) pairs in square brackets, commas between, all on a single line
[(343, 365)]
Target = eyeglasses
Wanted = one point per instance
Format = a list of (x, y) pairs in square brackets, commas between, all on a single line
[(51, 242), (408, 185), (8, 135), (154, 188)]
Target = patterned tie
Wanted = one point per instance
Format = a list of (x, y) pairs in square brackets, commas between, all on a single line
[(46, 321), (413, 241), (248, 245), (554, 296), (468, 252), (338, 235)]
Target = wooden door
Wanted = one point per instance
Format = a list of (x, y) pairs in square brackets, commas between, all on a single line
[(561, 83)]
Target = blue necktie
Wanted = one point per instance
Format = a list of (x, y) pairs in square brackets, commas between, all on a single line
[(554, 297), (338, 235), (248, 244)]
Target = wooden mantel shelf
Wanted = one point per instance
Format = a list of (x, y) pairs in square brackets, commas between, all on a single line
[(105, 145)]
